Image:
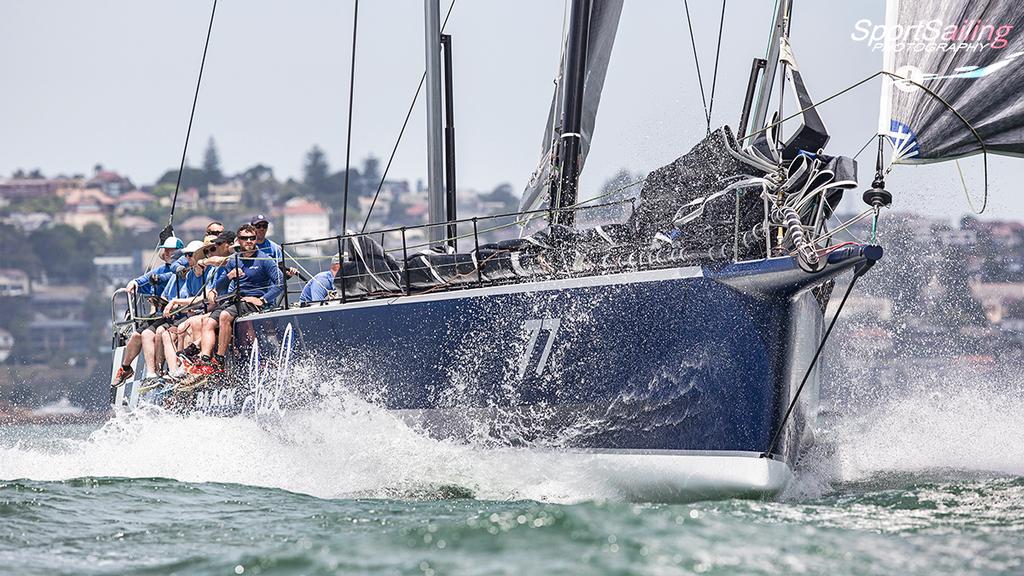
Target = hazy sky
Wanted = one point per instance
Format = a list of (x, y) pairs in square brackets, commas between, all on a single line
[(111, 81)]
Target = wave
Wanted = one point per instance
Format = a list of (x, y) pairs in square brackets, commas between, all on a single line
[(348, 448)]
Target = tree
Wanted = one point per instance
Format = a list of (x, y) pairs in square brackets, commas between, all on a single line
[(371, 176), (257, 173), (211, 163), (17, 252), (65, 254), (190, 178), (315, 172)]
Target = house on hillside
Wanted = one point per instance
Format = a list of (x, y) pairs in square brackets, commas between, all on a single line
[(227, 196), (137, 224), (188, 199), (110, 182), (29, 221), (25, 188), (14, 283), (192, 228), (135, 201), (115, 271), (51, 337), (60, 302), (84, 206), (305, 220)]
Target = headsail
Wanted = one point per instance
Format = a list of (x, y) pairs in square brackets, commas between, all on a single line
[(969, 53), (604, 23)]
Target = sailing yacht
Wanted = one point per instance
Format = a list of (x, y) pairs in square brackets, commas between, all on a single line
[(676, 351)]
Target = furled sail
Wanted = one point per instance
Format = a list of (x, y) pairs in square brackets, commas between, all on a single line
[(604, 23), (970, 54)]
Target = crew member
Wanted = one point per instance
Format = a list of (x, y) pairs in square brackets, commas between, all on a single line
[(319, 286), (256, 281)]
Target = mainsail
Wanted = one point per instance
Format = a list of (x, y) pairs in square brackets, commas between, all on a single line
[(604, 23), (970, 55)]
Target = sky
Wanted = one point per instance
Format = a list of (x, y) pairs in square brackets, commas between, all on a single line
[(112, 81)]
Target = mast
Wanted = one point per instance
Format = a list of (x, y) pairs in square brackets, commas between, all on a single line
[(564, 194), (768, 79), (435, 128), (449, 142)]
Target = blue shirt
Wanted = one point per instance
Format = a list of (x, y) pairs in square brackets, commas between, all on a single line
[(317, 288), (261, 279), (217, 279), (186, 287), (163, 274), (270, 248)]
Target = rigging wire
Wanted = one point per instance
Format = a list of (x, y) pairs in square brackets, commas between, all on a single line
[(169, 229), (351, 99), (696, 63), (394, 150), (714, 77), (865, 146)]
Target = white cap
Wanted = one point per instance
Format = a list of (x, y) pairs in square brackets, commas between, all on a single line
[(193, 246)]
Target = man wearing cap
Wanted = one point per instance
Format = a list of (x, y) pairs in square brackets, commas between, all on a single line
[(256, 281), (264, 244), (268, 246), (318, 287), (212, 257), (152, 284), (182, 293), (154, 281)]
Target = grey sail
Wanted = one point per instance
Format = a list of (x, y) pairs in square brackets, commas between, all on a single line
[(970, 54), (604, 23)]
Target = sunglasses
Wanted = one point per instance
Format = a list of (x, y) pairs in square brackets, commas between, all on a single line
[(246, 238), (262, 225), (212, 232)]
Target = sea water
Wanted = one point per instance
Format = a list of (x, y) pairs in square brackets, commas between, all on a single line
[(923, 480)]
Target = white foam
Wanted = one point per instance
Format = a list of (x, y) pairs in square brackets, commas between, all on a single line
[(352, 449), (952, 422)]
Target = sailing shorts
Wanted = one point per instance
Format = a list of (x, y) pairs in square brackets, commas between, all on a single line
[(152, 324), (233, 309)]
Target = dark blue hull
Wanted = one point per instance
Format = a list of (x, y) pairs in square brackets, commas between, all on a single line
[(683, 360)]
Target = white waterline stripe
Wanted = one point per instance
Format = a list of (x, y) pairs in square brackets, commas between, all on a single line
[(543, 286)]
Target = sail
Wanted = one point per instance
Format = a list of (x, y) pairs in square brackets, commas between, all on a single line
[(970, 54), (604, 23)]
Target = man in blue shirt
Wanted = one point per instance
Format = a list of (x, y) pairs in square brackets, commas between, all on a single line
[(181, 292), (264, 244), (319, 286), (256, 281), (151, 284), (154, 281), (268, 246)]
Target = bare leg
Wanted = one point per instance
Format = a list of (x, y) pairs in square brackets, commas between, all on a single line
[(209, 339), (149, 351), (158, 349), (195, 330), (169, 352), (224, 338), (132, 349)]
